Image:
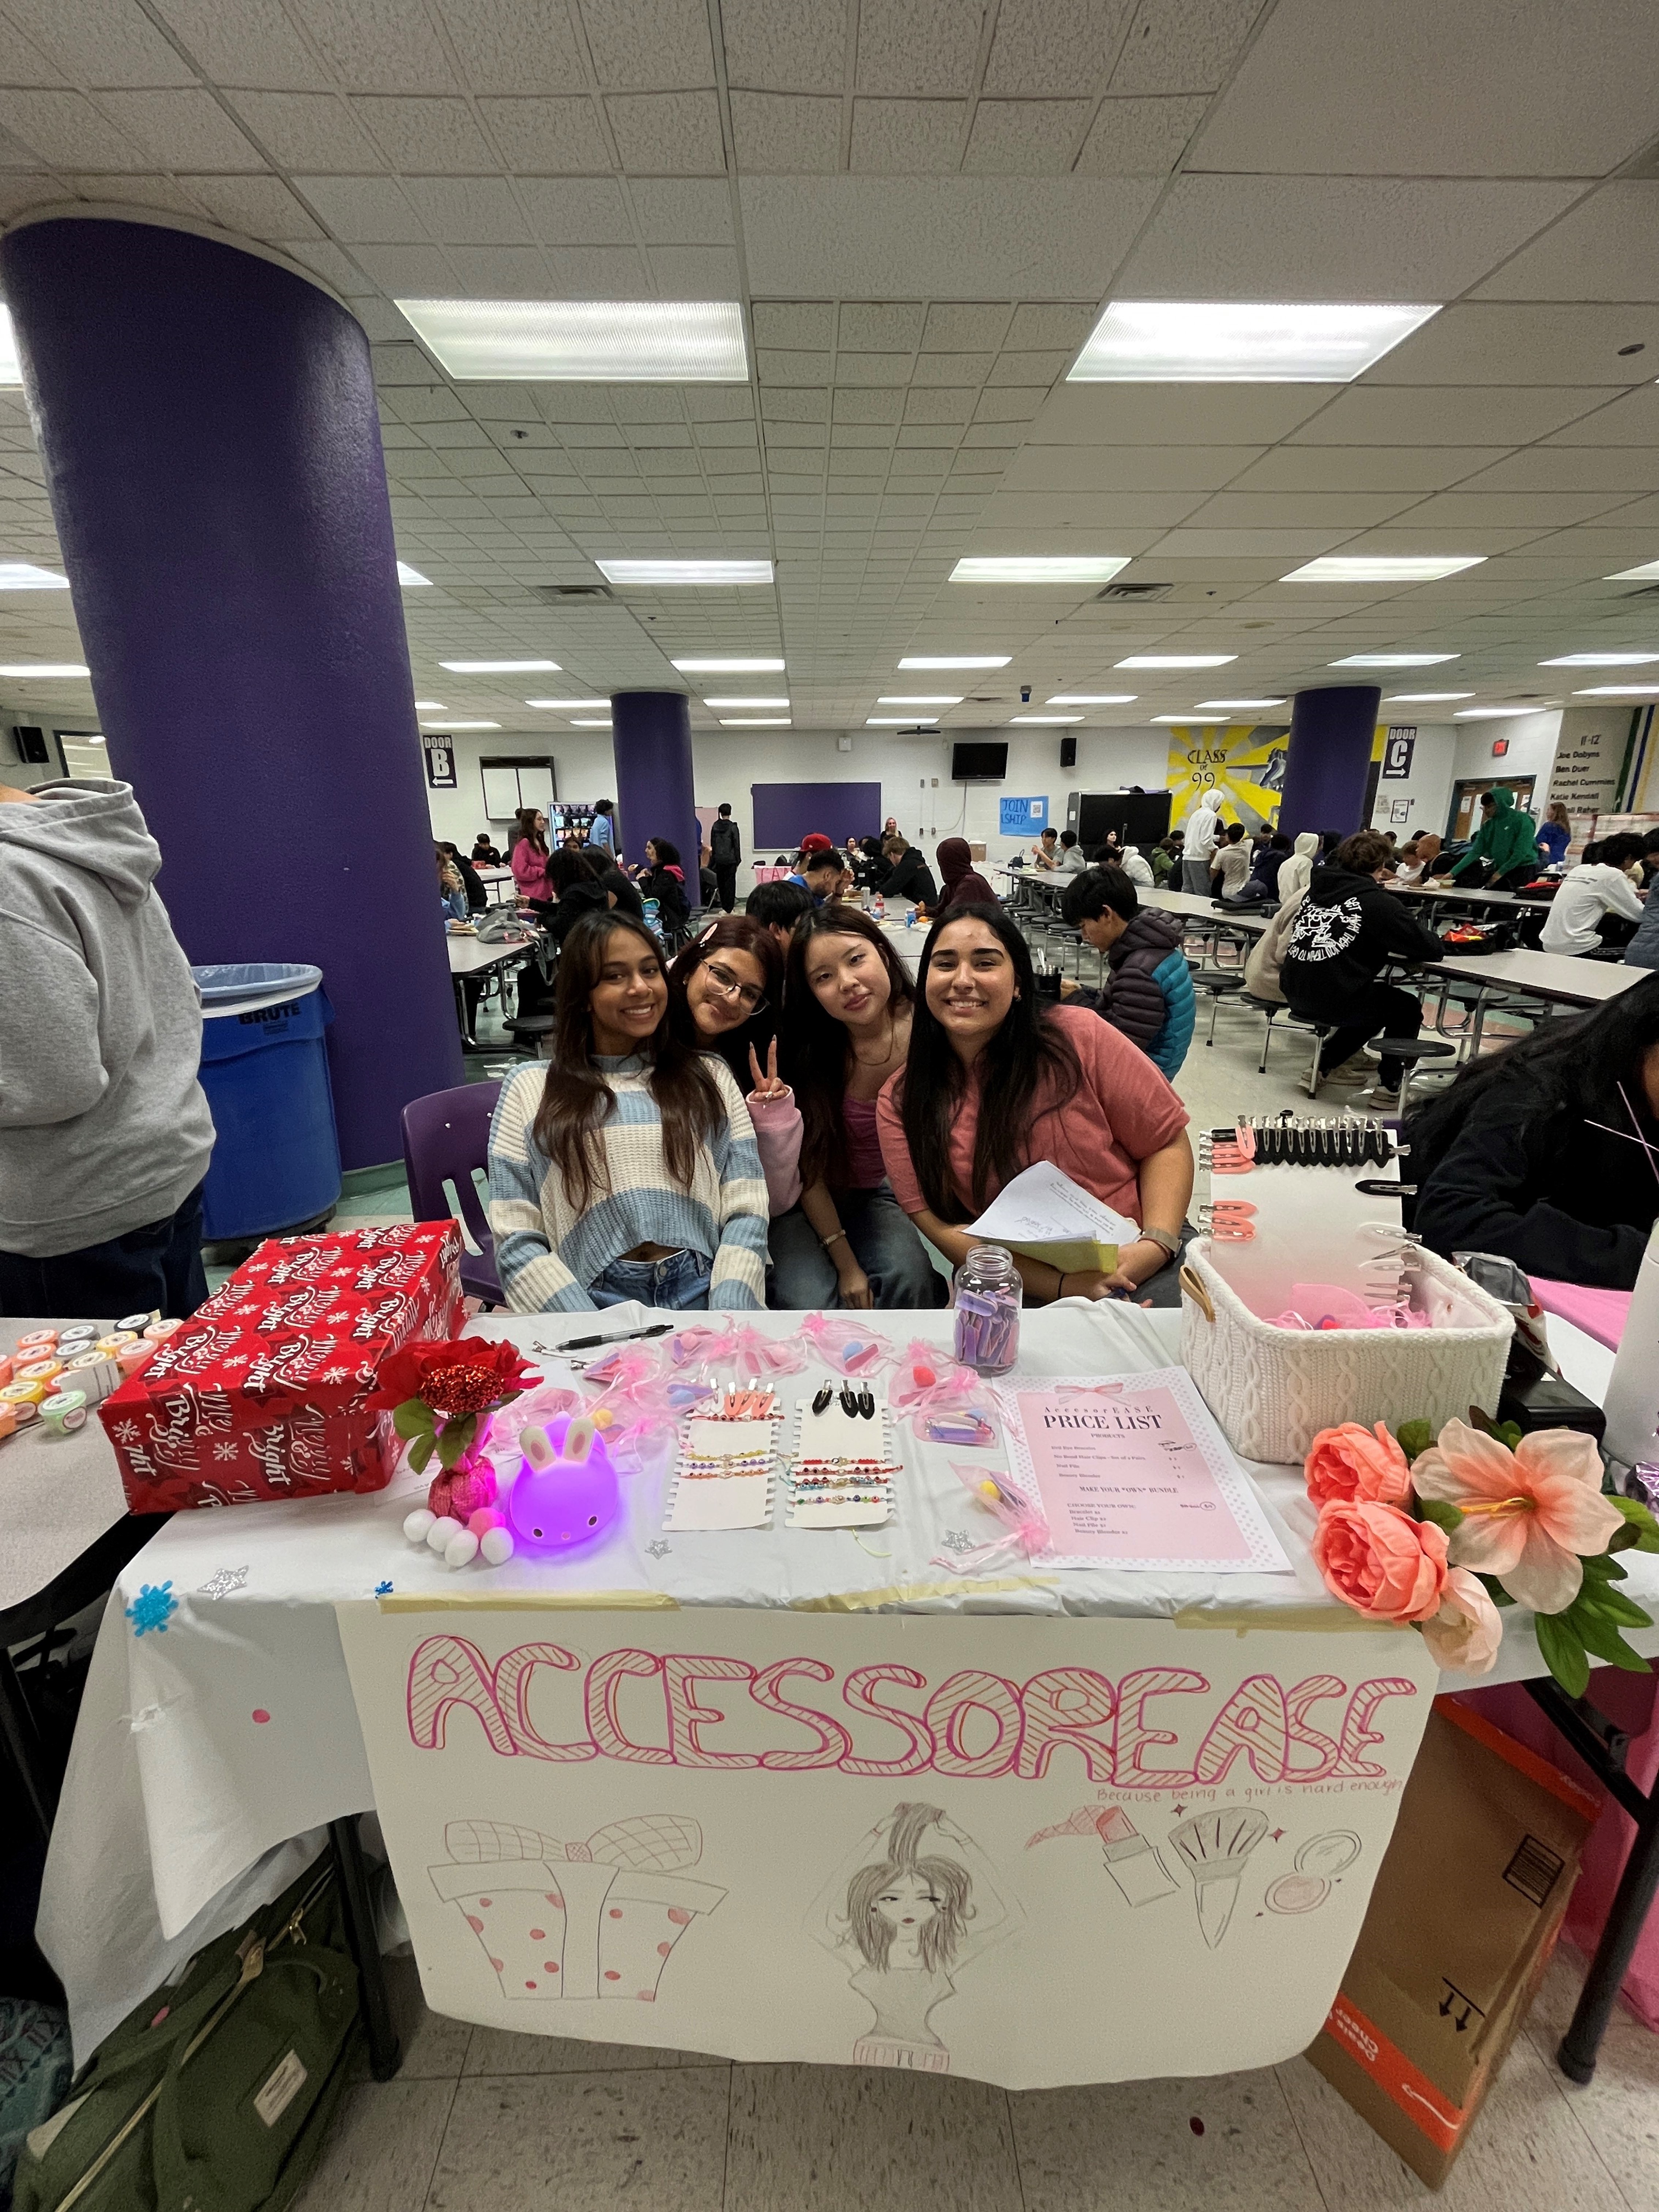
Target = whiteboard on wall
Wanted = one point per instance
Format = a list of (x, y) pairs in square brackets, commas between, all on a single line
[(511, 781)]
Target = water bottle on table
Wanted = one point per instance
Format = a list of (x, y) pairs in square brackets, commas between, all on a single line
[(988, 1294)]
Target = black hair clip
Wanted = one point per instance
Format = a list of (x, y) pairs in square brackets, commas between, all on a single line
[(849, 1403), (867, 1403), (823, 1397)]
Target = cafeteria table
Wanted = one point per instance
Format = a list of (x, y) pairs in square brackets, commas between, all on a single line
[(1560, 976)]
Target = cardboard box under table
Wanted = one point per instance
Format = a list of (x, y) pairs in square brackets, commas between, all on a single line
[(1468, 1906), (261, 1396)]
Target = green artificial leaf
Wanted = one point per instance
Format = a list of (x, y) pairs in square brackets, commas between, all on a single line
[(420, 1451), (456, 1439), (1564, 1653), (1414, 1437), (1637, 1517), (1510, 1433), (1494, 1589), (1443, 1514), (1601, 1568), (1602, 1638), (1614, 1605), (413, 1418)]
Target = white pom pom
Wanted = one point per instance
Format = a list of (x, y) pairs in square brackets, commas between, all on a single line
[(418, 1522), (496, 1546), (461, 1550), (441, 1530)]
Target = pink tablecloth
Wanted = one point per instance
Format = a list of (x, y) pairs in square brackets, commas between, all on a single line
[(1600, 1314)]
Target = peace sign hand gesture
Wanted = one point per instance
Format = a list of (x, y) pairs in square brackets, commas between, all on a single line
[(766, 1087)]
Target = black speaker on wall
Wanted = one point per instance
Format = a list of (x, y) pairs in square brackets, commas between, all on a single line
[(31, 744), (1068, 752)]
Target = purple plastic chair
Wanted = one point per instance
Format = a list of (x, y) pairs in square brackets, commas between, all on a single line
[(446, 1135)]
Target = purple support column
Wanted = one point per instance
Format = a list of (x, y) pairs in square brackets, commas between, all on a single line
[(208, 423), (1328, 762), (651, 737)]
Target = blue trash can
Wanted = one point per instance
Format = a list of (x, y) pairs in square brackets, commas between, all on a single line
[(265, 1068)]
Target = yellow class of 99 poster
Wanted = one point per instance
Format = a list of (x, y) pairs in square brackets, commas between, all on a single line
[(1243, 760)]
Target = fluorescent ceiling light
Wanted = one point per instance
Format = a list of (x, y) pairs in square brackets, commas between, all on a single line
[(590, 722), (1599, 660), (445, 726), (409, 577), (496, 667), (956, 660), (686, 572), (920, 699), (895, 722), (24, 576), (1619, 691), (1486, 714), (1092, 698), (1233, 705), (1176, 660), (1188, 718), (745, 702), (729, 667), (1646, 574), (430, 707), (1422, 698), (1393, 660), (1229, 342), (586, 341), (566, 706), (754, 722), (1382, 567), (11, 369), (1045, 717), (1039, 568), (44, 668)]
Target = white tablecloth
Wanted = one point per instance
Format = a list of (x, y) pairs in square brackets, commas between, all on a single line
[(204, 1745)]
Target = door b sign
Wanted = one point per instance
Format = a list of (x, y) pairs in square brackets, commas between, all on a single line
[(1397, 749)]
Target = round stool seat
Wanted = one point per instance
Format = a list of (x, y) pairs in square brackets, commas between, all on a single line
[(1218, 980), (531, 1026), (1412, 1049)]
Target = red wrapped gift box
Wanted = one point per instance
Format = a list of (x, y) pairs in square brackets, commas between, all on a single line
[(261, 1394)]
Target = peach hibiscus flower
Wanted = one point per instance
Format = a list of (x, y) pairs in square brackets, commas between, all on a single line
[(1530, 1516)]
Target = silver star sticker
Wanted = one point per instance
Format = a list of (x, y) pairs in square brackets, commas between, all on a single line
[(954, 1540), (223, 1581), (659, 1550)]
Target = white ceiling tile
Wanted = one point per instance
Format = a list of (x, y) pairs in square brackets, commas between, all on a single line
[(66, 131), (548, 138), (1487, 88), (182, 129), (649, 45), (1606, 248), (668, 134), (1490, 343), (338, 269), (907, 137), (1331, 237), (927, 47), (960, 328), (125, 190), (909, 238), (378, 46), (1312, 510), (514, 45), (577, 211), (1092, 469), (785, 46), (425, 137), (21, 192), (597, 273), (776, 133), (100, 42), (503, 272), (854, 370), (1025, 138), (1183, 46), (409, 271), (1364, 468), (312, 131), (890, 328), (695, 272), (1047, 323), (795, 323), (364, 210), (1376, 415), (1572, 468), (1046, 46), (1515, 510), (679, 211), (1140, 137), (1631, 420), (263, 207), (1175, 414), (952, 368), (468, 210)]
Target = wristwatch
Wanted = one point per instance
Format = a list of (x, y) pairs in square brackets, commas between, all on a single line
[(1161, 1236)]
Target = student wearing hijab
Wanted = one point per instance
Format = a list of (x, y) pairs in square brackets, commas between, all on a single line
[(963, 885)]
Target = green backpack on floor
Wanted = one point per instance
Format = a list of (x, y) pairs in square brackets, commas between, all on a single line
[(216, 2094)]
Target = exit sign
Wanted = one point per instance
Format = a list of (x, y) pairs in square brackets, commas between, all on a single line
[(1499, 747)]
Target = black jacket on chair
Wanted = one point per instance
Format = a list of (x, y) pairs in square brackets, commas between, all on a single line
[(1345, 931)]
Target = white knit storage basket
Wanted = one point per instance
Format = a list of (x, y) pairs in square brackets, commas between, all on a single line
[(1273, 1390)]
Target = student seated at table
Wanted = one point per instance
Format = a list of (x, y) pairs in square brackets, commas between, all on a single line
[(1134, 864), (964, 885), (1148, 993), (1345, 931), (818, 869), (847, 1027), (1229, 866), (910, 880), (574, 877), (1554, 834), (723, 993), (478, 898), (452, 892), (485, 854), (1268, 854), (663, 879), (996, 1080), (1296, 870), (625, 1166), (1165, 860), (778, 906), (1536, 1151), (1598, 906), (1044, 854), (1070, 861), (625, 899)]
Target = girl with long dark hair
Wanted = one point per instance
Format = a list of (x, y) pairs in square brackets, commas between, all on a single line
[(994, 1081), (663, 879), (723, 989), (623, 1167), (1548, 1151), (846, 1029), (528, 860), (575, 879)]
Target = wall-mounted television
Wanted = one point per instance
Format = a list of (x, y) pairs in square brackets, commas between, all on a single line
[(978, 764)]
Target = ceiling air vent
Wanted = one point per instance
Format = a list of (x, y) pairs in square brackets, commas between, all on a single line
[(1135, 591), (553, 593)]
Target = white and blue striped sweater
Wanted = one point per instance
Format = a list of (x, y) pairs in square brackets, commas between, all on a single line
[(548, 1253)]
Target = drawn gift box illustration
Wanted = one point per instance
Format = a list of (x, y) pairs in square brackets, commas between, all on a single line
[(594, 1919)]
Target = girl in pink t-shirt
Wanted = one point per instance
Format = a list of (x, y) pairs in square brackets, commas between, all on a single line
[(994, 1081)]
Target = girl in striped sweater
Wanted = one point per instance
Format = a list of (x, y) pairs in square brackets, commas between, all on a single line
[(625, 1167)]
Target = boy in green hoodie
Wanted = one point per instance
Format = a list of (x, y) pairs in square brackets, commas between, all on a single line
[(1506, 844)]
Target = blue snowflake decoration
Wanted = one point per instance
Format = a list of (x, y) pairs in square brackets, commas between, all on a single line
[(382, 1589), (152, 1608)]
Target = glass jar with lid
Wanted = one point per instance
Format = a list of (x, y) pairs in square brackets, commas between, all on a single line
[(987, 1295)]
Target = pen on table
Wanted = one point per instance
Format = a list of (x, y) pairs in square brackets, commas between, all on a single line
[(627, 1336)]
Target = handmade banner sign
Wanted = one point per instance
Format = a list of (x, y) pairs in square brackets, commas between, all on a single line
[(1030, 1852)]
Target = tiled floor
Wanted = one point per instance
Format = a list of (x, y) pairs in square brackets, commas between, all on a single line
[(480, 2120)]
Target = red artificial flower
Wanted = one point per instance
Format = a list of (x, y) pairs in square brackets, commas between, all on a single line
[(462, 1375)]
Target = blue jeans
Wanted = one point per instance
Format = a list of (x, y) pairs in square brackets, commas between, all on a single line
[(676, 1284), (885, 1243)]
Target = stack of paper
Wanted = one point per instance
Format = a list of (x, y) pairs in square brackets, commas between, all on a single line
[(1046, 1216)]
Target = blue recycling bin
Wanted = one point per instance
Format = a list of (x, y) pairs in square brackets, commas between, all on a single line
[(265, 1068)]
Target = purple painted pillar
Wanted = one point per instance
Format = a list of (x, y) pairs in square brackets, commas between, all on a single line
[(651, 737), (1328, 762), (208, 423)]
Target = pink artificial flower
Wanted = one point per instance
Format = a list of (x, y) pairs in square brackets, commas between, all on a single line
[(1379, 1561), (1355, 1462), (1530, 1515), (1465, 1633)]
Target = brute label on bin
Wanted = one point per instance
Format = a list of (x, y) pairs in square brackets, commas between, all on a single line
[(261, 1394)]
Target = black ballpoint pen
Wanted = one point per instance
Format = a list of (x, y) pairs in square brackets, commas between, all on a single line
[(628, 1336)]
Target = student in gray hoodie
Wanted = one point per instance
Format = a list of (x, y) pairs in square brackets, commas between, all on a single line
[(105, 1132)]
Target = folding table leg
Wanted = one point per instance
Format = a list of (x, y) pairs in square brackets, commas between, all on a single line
[(1631, 1903), (384, 2055), (21, 1741)]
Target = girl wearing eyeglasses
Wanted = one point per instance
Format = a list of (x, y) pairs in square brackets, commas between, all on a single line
[(625, 1166), (723, 992)]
